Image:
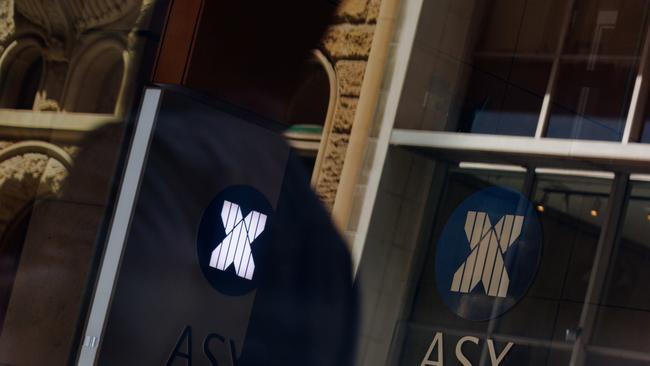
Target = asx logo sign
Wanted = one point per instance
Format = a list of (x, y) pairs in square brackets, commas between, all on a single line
[(485, 263), (235, 249), (488, 253), (233, 239)]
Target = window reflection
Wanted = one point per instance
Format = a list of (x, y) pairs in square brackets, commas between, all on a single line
[(505, 106), (622, 319), (591, 100), (492, 69), (21, 72), (67, 70), (572, 211), (606, 28), (512, 65)]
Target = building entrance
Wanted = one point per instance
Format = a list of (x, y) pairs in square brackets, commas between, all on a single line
[(528, 266)]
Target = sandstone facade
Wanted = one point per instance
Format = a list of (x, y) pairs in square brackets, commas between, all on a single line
[(72, 57), (83, 54), (347, 45)]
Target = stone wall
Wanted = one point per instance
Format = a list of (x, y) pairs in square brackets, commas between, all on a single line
[(37, 150), (7, 23), (347, 45)]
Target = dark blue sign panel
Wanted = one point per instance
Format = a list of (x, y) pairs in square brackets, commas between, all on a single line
[(229, 258), (201, 225), (488, 253)]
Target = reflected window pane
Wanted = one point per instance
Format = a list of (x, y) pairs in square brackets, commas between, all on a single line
[(597, 70), (607, 27), (526, 29), (481, 66), (512, 65), (509, 107), (645, 131), (71, 73), (591, 100), (571, 211), (622, 323)]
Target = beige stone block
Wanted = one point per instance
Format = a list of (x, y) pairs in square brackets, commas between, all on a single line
[(373, 11), (344, 115), (350, 77), (52, 178), (7, 24), (349, 41), (328, 180), (352, 10), (19, 182)]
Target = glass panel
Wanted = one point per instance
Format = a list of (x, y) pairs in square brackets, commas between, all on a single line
[(485, 66), (481, 66), (591, 100), (621, 329), (607, 27), (70, 72), (571, 211), (597, 70), (495, 106), (515, 52), (645, 131)]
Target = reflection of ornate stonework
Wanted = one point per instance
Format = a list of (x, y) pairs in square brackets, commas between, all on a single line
[(24, 177), (59, 48), (347, 45), (6, 19), (65, 17), (82, 52), (65, 67)]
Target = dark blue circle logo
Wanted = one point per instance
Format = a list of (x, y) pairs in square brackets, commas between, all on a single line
[(488, 253), (233, 239)]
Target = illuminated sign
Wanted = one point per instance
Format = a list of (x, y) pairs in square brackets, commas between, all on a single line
[(189, 244), (235, 249), (231, 236)]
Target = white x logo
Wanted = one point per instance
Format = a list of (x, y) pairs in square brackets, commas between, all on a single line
[(235, 249), (485, 262)]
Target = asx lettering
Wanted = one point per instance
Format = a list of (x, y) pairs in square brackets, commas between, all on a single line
[(436, 350), (215, 347)]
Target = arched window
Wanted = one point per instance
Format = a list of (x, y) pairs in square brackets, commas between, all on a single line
[(21, 71), (309, 102), (96, 80), (310, 111)]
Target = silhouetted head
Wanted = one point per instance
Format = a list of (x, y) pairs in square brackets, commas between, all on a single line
[(255, 46)]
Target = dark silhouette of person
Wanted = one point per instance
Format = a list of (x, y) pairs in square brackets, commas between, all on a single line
[(305, 307)]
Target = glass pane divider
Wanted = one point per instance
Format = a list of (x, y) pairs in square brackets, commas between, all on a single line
[(542, 122), (608, 237), (110, 262), (528, 188), (576, 173), (605, 155), (405, 40)]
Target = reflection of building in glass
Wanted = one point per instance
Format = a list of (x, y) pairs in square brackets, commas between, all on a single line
[(547, 98), (69, 67), (323, 108), (72, 62), (66, 68)]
